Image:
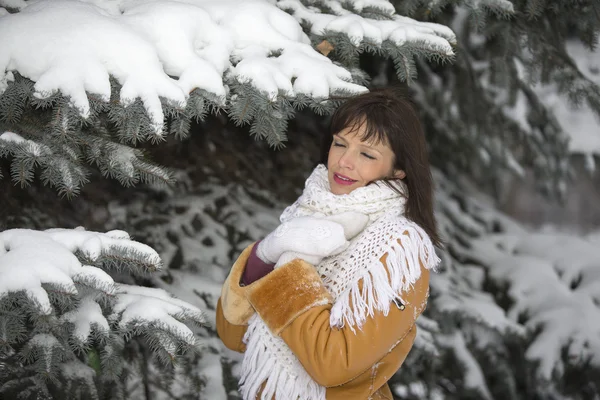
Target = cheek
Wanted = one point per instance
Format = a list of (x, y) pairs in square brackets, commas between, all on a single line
[(377, 172), (332, 156)]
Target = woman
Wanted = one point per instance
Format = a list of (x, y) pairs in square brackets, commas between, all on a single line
[(325, 306)]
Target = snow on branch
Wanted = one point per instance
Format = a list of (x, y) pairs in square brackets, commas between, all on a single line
[(55, 308), (166, 49), (86, 81), (158, 317), (29, 260), (401, 31), (554, 287), (137, 305), (77, 46)]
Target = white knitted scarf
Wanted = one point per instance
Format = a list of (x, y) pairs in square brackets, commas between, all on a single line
[(267, 357)]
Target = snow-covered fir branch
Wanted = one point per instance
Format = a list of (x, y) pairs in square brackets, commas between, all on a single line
[(64, 323), (86, 81)]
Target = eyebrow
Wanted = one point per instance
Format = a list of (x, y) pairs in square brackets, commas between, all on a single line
[(363, 145)]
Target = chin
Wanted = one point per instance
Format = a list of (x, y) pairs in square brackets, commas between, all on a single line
[(339, 190)]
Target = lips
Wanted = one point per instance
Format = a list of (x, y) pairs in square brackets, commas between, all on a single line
[(342, 180)]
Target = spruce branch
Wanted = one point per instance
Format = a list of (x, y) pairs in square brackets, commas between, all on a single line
[(67, 336)]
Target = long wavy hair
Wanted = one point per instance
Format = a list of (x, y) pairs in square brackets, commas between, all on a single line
[(390, 117)]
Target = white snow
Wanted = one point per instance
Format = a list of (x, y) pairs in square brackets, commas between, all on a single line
[(87, 316), (44, 340), (210, 367), (37, 261), (29, 259), (92, 243), (141, 305), (12, 137), (359, 5), (77, 370), (70, 46), (578, 122), (29, 146), (188, 42), (44, 347)]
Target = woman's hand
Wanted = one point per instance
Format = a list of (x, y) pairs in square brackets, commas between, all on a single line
[(312, 239), (307, 235)]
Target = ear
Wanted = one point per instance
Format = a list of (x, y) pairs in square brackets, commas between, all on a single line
[(399, 174)]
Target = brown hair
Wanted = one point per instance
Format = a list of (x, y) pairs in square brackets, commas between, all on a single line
[(392, 118)]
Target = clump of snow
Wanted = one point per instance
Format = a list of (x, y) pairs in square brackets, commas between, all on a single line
[(29, 259), (188, 42), (12, 137), (210, 367), (93, 243), (76, 370), (473, 375), (87, 316), (73, 47), (141, 305), (581, 123), (45, 348)]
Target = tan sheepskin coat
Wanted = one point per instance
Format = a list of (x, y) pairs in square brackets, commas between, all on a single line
[(295, 305)]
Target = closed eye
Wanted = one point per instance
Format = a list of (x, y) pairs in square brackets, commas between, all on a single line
[(368, 156), (338, 144)]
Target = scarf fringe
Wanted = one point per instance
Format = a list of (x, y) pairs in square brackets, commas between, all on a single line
[(262, 366), (403, 264)]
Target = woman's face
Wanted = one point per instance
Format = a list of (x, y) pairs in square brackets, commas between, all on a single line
[(353, 163)]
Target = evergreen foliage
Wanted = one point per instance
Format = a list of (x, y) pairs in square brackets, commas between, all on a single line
[(488, 113), (66, 327), (63, 136)]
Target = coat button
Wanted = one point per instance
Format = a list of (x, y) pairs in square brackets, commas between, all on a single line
[(402, 307)]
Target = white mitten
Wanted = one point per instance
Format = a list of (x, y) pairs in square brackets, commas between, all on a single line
[(352, 222), (306, 235)]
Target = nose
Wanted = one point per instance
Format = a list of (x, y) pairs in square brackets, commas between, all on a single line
[(346, 160)]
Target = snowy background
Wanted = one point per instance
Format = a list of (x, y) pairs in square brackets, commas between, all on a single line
[(516, 305)]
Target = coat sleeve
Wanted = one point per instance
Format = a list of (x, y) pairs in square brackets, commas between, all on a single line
[(231, 335), (294, 304), (233, 309), (235, 306)]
